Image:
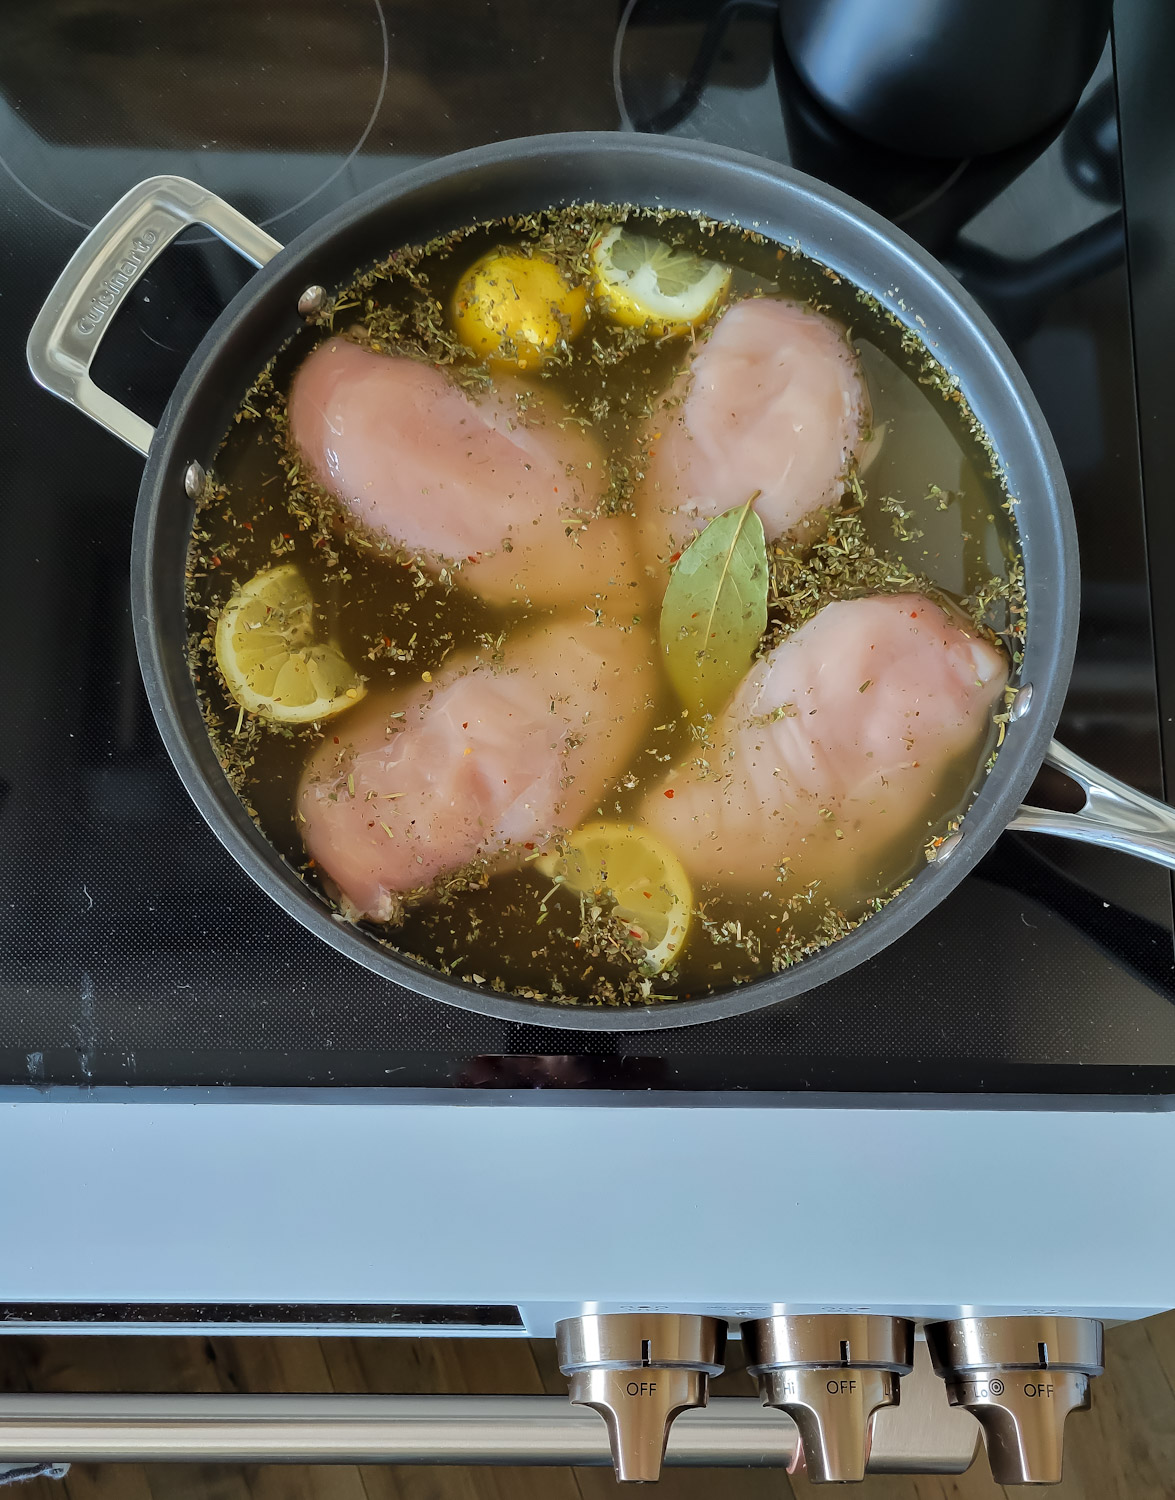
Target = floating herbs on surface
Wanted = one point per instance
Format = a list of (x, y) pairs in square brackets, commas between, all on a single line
[(928, 512)]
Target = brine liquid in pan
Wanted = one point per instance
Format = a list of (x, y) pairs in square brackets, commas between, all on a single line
[(605, 607)]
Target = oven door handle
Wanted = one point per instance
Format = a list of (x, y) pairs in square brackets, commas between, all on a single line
[(110, 260), (922, 1435), (365, 1429)]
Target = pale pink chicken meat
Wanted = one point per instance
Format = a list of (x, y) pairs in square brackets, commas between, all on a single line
[(500, 488), (835, 748), (487, 762), (774, 401)]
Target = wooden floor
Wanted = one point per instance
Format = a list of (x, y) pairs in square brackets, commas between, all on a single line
[(1124, 1449)]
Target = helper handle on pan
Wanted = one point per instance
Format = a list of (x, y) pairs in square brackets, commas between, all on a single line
[(1114, 814), (107, 263)]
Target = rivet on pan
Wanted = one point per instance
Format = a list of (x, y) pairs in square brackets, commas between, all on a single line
[(311, 300), (948, 846), (194, 478), (1021, 703)]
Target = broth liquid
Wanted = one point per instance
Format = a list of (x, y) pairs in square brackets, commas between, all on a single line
[(933, 505)]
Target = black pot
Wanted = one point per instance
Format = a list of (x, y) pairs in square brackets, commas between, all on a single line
[(517, 177), (946, 78)]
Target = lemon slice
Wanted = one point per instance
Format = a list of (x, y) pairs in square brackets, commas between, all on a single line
[(648, 888), (267, 654), (515, 309), (644, 283)]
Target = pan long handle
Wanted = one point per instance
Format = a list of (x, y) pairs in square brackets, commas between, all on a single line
[(1114, 814), (105, 266)]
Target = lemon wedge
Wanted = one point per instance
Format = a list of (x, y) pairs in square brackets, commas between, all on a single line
[(516, 309), (644, 283), (267, 654), (644, 881)]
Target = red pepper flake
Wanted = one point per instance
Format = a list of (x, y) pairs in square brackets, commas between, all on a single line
[(248, 525), (675, 556), (669, 793), (336, 739), (528, 846), (214, 562), (465, 725), (387, 640), (913, 614)]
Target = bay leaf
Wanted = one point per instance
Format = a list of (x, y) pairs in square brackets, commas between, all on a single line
[(715, 609)]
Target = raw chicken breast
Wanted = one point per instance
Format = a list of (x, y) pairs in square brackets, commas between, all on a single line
[(834, 749), (511, 497), (487, 762), (775, 402)]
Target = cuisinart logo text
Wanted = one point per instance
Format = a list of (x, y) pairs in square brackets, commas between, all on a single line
[(112, 289)]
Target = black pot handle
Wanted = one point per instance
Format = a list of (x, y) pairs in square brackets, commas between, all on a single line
[(108, 262)]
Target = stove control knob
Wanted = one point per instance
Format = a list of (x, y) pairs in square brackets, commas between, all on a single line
[(830, 1373), (1021, 1377), (639, 1370)]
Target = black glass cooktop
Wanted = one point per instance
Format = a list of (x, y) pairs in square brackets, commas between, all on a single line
[(132, 950)]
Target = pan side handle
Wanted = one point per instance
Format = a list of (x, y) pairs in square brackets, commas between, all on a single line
[(1114, 814), (108, 262)]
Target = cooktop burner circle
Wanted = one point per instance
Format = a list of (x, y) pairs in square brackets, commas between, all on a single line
[(243, 77)]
